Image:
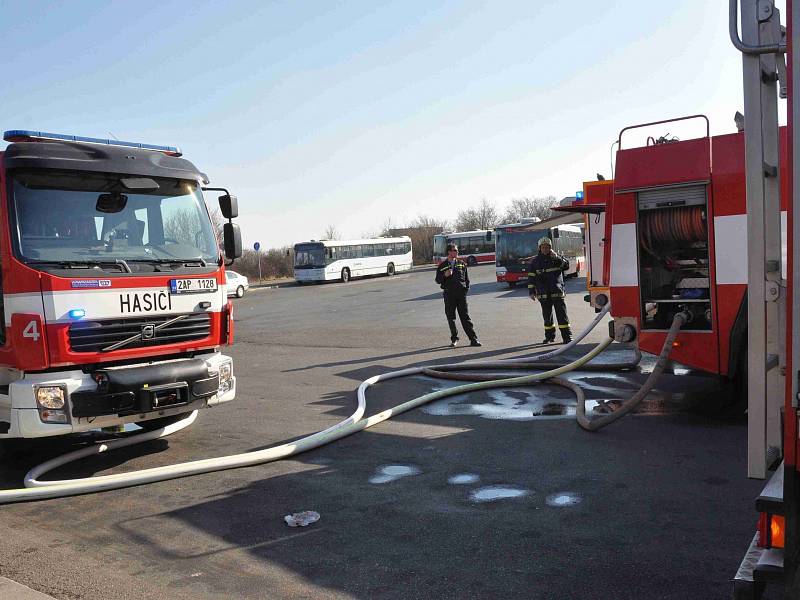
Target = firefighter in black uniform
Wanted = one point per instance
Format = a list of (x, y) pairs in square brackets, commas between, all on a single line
[(452, 277), (546, 284)]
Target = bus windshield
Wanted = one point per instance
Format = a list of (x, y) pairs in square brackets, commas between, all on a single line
[(309, 256), (69, 217), (439, 245), (515, 245)]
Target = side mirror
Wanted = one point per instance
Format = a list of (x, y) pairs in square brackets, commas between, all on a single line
[(488, 236), (555, 232), (232, 240), (229, 206)]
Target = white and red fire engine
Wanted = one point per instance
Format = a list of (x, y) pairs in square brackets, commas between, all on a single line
[(113, 286), (705, 227)]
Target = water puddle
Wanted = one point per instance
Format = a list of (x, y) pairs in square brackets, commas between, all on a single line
[(390, 473), (553, 402), (463, 479), (497, 492), (512, 405), (563, 499)]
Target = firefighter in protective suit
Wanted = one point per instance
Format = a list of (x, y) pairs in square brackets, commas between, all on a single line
[(546, 284), (452, 277)]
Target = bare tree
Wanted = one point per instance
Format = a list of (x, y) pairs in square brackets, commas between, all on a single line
[(275, 263), (331, 233), (521, 208), (182, 225), (483, 216), (421, 231), (387, 227)]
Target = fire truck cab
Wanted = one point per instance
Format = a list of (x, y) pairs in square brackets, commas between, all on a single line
[(114, 308)]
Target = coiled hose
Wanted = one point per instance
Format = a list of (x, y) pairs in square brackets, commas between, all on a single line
[(40, 490)]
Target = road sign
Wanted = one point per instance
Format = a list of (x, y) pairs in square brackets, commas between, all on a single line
[(257, 246)]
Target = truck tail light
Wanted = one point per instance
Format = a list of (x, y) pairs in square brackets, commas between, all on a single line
[(771, 530)]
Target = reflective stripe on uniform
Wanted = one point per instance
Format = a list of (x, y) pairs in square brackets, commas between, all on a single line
[(566, 326), (548, 327)]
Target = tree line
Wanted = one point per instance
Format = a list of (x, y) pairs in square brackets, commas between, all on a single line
[(278, 262)]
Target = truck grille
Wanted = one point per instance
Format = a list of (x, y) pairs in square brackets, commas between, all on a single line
[(93, 336)]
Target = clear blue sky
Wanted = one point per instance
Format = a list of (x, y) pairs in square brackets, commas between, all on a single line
[(324, 113)]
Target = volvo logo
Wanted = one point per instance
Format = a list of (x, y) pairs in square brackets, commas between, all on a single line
[(148, 332)]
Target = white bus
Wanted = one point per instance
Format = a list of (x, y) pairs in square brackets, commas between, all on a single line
[(473, 246), (341, 260)]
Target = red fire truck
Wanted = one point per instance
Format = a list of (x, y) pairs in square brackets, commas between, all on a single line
[(113, 287), (704, 227)]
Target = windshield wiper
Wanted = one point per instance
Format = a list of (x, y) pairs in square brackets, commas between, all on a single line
[(83, 264), (186, 262)]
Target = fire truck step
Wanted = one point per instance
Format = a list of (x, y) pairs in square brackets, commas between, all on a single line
[(770, 500), (744, 586)]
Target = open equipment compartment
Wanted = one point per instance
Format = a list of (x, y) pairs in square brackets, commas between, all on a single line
[(674, 256)]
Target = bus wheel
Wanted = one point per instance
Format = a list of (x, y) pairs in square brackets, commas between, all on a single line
[(390, 269), (472, 261), (345, 275)]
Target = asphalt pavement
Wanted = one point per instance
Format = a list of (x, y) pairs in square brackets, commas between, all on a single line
[(489, 495)]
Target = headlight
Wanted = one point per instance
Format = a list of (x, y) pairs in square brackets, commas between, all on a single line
[(225, 377), (50, 397), (51, 402)]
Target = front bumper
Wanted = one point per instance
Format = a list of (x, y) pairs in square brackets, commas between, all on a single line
[(133, 394)]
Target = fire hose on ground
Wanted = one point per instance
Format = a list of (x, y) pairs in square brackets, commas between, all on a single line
[(39, 490)]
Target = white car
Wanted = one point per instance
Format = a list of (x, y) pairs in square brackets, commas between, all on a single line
[(236, 284)]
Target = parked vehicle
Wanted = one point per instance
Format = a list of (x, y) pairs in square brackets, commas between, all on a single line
[(342, 260), (236, 284), (110, 286), (518, 243), (473, 246)]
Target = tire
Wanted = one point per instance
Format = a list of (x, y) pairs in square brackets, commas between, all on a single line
[(511, 284), (162, 422), (240, 291), (345, 275), (472, 261), (390, 270)]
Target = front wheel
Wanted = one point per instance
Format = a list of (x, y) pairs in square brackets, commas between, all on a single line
[(511, 284), (390, 269), (240, 291), (472, 261), (345, 275)]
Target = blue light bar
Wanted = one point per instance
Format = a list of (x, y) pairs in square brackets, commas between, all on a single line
[(23, 135), (578, 195), (77, 313)]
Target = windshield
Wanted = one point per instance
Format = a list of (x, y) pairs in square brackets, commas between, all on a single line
[(60, 217), (309, 256), (515, 245), (439, 245)]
